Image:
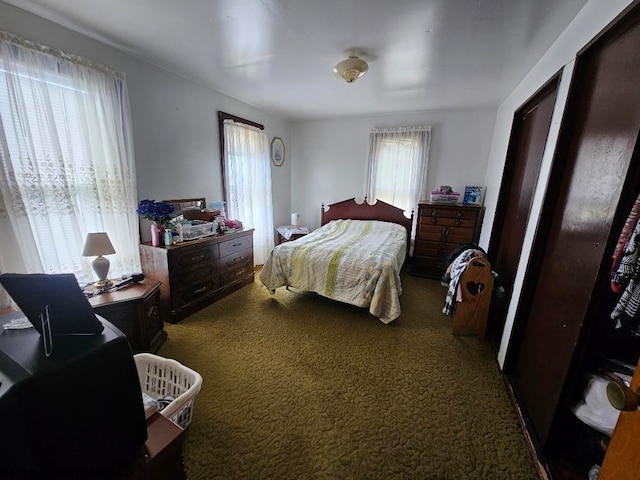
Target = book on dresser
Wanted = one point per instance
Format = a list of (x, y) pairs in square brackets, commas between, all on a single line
[(196, 273), (440, 229)]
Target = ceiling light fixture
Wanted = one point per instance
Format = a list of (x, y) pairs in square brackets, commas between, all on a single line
[(351, 68)]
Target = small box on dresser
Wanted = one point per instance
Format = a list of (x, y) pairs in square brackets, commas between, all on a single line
[(440, 229), (194, 274)]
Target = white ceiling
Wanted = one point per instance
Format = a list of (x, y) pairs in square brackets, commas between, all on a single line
[(278, 55)]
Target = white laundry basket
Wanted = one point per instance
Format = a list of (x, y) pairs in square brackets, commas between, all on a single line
[(163, 377)]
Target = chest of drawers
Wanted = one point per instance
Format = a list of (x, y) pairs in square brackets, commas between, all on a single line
[(440, 229), (197, 273)]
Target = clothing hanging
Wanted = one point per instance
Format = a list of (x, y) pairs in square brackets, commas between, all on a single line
[(617, 284), (627, 276)]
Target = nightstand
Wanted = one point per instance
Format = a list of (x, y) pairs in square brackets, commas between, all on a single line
[(287, 233), (135, 310)]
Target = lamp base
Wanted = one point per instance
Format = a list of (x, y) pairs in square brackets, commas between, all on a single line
[(101, 284), (101, 268)]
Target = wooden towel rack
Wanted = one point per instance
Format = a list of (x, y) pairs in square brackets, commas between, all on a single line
[(476, 283)]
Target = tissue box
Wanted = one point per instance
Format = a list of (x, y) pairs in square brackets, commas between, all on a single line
[(436, 197)]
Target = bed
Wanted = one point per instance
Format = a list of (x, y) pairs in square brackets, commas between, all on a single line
[(355, 257)]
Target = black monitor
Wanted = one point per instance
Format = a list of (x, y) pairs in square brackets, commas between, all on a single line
[(56, 298), (75, 414)]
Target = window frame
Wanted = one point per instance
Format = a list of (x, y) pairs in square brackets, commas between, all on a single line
[(222, 116)]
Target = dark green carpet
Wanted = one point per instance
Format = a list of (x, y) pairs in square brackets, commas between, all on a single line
[(298, 386)]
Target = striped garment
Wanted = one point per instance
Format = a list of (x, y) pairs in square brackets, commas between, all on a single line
[(625, 313), (628, 265), (352, 261), (458, 266)]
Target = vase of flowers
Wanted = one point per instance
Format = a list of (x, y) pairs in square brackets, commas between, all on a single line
[(159, 213)]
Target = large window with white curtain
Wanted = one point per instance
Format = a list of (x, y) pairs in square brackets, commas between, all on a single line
[(247, 180), (398, 160), (66, 161), (397, 169)]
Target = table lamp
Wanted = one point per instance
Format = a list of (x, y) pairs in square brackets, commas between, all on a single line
[(98, 244)]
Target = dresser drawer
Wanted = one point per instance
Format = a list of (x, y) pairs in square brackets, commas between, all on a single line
[(434, 214), (237, 272), (195, 291), (234, 245), (423, 248), (193, 257), (445, 234), (237, 258), (427, 266), (194, 274)]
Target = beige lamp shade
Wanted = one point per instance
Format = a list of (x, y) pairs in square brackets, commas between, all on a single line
[(98, 244)]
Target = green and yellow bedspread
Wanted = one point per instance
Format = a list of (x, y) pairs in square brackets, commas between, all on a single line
[(352, 261)]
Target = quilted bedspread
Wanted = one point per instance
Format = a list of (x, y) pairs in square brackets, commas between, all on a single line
[(352, 261)]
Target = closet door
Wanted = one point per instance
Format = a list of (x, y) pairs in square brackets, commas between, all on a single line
[(528, 138), (575, 240)]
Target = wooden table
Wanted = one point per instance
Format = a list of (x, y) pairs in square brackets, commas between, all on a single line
[(163, 449), (135, 310)]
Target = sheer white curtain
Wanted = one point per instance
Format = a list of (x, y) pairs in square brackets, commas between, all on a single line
[(398, 161), (66, 161), (247, 171)]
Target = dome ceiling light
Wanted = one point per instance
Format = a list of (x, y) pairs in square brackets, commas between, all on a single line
[(351, 68)]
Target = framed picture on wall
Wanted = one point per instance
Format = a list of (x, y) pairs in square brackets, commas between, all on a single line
[(277, 151)]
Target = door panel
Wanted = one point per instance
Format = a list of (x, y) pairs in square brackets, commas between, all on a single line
[(596, 147), (529, 136)]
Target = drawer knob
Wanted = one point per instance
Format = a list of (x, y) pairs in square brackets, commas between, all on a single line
[(200, 290), (458, 221), (236, 244), (197, 257), (434, 216)]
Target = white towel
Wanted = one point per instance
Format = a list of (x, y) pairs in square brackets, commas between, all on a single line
[(594, 408)]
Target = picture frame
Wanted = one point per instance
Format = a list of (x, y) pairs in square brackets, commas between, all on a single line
[(277, 151), (473, 195)]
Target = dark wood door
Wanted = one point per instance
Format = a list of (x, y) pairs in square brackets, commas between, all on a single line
[(575, 242), (528, 138)]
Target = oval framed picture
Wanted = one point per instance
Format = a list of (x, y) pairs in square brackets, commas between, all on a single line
[(277, 151)]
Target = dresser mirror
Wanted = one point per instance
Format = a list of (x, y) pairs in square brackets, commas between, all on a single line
[(181, 204)]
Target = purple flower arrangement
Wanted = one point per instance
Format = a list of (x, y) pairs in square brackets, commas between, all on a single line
[(158, 212)]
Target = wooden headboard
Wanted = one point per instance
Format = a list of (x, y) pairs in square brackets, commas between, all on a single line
[(350, 209)]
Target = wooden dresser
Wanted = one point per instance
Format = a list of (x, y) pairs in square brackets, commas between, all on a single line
[(440, 229), (199, 272)]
